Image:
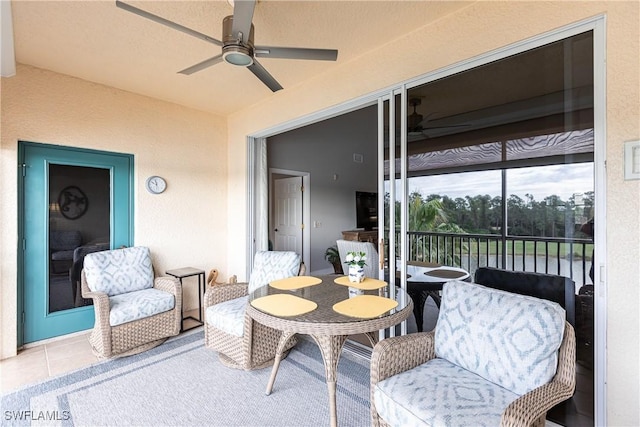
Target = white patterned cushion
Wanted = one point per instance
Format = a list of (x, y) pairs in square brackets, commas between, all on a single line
[(118, 271), (509, 339), (228, 316), (139, 304), (439, 393), (273, 265)]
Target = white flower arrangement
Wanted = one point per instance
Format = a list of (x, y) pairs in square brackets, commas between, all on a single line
[(356, 258)]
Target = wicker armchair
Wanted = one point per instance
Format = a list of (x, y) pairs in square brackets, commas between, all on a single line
[(414, 360), (240, 342), (134, 310)]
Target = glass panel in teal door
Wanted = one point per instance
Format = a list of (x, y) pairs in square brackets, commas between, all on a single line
[(72, 202), (79, 213)]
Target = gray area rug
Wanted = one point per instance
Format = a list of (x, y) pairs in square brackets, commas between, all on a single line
[(181, 383)]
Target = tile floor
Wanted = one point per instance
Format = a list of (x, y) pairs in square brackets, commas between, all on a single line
[(51, 359), (44, 361)]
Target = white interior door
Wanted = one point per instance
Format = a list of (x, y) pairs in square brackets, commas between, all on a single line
[(288, 223)]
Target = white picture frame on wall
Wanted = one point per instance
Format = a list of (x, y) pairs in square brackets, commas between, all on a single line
[(632, 160)]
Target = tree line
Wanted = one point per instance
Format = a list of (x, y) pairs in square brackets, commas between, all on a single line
[(483, 214)]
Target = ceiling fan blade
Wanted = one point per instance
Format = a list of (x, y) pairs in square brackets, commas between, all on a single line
[(202, 65), (295, 53), (166, 22), (424, 124), (242, 17), (264, 76), (446, 127)]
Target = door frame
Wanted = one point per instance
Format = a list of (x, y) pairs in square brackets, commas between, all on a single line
[(306, 215), (21, 171), (598, 25)]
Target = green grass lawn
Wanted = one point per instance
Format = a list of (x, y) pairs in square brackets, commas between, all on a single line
[(529, 248)]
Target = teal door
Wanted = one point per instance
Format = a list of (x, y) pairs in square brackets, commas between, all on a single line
[(71, 202)]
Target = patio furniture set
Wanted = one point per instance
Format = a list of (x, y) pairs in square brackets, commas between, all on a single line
[(505, 357)]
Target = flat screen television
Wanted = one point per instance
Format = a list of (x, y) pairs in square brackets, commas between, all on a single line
[(366, 210)]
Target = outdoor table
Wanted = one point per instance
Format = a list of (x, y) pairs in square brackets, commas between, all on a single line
[(425, 280), (327, 327)]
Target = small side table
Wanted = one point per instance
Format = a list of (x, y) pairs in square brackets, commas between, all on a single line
[(181, 273)]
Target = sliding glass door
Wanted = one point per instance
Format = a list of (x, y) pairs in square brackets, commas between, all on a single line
[(496, 161), (496, 167)]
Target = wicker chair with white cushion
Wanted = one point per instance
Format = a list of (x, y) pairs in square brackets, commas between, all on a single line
[(495, 358), (134, 310), (346, 246), (240, 342)]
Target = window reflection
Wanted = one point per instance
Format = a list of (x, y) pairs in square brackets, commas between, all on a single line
[(79, 223)]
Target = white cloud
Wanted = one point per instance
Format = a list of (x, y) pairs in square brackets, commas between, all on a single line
[(542, 181)]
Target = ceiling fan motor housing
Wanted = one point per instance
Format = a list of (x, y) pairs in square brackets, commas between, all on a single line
[(234, 51), (414, 119)]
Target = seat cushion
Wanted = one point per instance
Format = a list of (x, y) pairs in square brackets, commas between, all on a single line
[(228, 316), (439, 393), (119, 271), (509, 339), (62, 255), (139, 304)]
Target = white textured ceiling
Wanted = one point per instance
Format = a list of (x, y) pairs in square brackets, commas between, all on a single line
[(96, 41)]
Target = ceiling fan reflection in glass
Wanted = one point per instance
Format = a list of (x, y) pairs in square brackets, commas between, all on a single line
[(419, 126)]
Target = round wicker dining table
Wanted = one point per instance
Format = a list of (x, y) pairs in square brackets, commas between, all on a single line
[(328, 328)]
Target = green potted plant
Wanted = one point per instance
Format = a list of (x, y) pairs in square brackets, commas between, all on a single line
[(333, 256)]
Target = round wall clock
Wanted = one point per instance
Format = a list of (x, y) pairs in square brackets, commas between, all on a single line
[(73, 202), (156, 184)]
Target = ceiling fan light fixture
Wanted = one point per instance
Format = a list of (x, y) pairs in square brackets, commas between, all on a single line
[(237, 55), (237, 42)]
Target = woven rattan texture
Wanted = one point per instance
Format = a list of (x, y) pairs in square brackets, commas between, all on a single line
[(256, 349), (136, 336), (398, 354)]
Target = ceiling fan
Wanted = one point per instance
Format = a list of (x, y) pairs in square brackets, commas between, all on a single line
[(237, 43), (417, 124)]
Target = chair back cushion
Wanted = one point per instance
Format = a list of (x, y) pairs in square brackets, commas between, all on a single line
[(371, 268), (555, 288), (119, 271), (62, 240), (509, 339), (273, 265)]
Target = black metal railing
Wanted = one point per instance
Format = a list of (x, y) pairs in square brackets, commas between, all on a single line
[(568, 257)]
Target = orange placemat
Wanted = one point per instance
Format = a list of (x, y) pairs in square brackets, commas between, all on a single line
[(284, 305), (296, 282), (367, 284), (445, 274), (365, 306)]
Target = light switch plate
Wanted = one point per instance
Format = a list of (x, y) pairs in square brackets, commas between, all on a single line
[(632, 160)]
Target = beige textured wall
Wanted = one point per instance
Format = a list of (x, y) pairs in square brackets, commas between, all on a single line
[(478, 29), (183, 226), (46, 107)]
